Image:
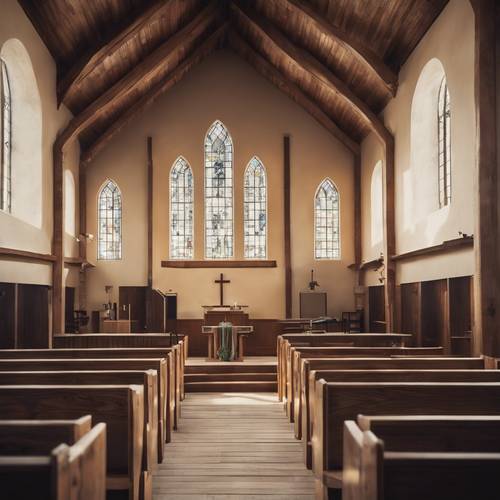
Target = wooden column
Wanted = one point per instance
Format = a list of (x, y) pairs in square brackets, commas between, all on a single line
[(149, 293), (288, 254), (357, 216), (82, 204), (486, 289)]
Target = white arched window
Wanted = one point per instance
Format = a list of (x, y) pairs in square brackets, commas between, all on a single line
[(444, 144), (377, 205), (6, 120), (326, 221), (110, 222), (219, 234), (181, 210), (255, 210)]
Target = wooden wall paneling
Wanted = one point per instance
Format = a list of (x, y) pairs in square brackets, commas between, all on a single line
[(33, 317), (376, 306), (434, 315), (287, 228), (69, 307), (411, 311), (8, 315), (135, 297), (460, 314)]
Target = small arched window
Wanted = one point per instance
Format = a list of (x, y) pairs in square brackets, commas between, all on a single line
[(444, 144), (326, 222), (255, 210), (218, 193), (181, 210), (110, 222), (6, 130)]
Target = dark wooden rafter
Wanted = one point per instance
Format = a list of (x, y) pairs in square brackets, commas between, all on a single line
[(160, 88), (266, 69), (371, 61), (95, 56)]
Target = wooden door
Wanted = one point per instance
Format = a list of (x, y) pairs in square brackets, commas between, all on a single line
[(376, 309), (133, 297), (33, 317), (460, 314), (69, 307), (410, 311), (434, 316)]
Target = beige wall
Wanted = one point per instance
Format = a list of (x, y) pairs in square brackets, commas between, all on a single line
[(419, 221), (29, 227), (257, 115)]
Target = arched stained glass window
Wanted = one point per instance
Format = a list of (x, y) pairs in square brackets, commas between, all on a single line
[(110, 222), (5, 133), (255, 210), (218, 193), (444, 144), (326, 221), (181, 210)]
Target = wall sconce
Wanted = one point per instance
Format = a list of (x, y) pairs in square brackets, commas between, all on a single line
[(84, 237)]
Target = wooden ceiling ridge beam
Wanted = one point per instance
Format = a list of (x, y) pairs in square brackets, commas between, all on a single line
[(86, 64), (362, 52), (312, 66), (263, 66), (143, 70), (160, 88)]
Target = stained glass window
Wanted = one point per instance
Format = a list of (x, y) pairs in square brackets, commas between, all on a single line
[(255, 210), (181, 210), (444, 144), (110, 222), (6, 133), (218, 193), (326, 222)]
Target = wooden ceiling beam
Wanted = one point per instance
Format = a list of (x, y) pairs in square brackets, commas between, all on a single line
[(361, 52), (312, 66), (160, 88), (94, 57), (160, 57), (266, 69)]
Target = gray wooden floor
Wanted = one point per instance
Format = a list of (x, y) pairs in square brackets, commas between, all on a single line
[(233, 446)]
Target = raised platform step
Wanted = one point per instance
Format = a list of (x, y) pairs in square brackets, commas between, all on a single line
[(231, 386), (228, 377), (230, 368)]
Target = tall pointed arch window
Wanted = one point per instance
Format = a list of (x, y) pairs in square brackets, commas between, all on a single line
[(327, 222), (255, 210), (110, 222), (219, 235), (5, 134), (444, 144), (181, 210)]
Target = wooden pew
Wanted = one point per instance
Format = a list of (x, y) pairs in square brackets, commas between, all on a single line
[(285, 341), (303, 386), (148, 379), (159, 365), (120, 407), (174, 375), (66, 472), (297, 353), (436, 437), (338, 402)]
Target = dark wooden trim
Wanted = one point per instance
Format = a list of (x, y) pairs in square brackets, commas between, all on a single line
[(77, 261), (26, 256), (486, 339), (160, 88), (446, 246), (243, 49), (215, 264), (369, 264), (357, 210), (85, 65), (369, 59), (287, 226), (150, 210)]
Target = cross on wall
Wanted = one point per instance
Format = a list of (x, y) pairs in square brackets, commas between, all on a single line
[(221, 281)]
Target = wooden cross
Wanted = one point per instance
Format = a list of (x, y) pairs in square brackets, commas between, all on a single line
[(221, 282)]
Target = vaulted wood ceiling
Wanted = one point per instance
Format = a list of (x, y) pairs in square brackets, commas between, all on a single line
[(339, 59)]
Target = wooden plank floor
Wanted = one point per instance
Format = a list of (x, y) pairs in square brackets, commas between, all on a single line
[(233, 446)]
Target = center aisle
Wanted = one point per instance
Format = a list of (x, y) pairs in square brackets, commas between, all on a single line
[(233, 446)]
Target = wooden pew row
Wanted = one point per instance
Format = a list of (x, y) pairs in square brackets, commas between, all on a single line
[(67, 472), (137, 340), (148, 379), (120, 407), (435, 441), (303, 384), (172, 383), (285, 341), (295, 354), (338, 402), (159, 365)]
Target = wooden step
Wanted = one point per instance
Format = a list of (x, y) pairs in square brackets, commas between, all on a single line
[(224, 377), (230, 368), (231, 386)]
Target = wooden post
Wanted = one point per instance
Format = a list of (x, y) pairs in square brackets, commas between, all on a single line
[(357, 216), (288, 255), (149, 293), (82, 204), (486, 289)]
